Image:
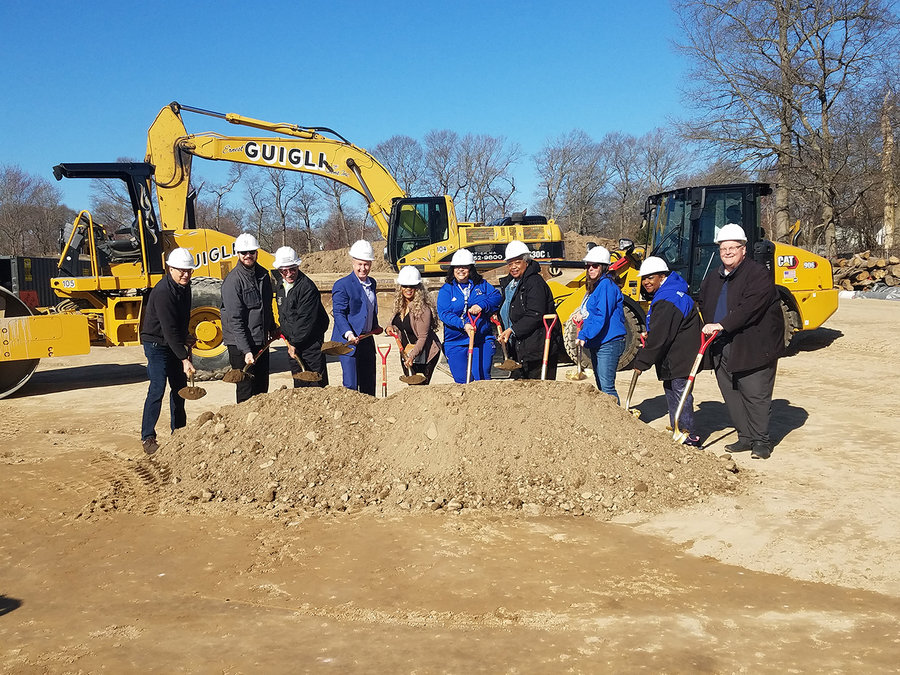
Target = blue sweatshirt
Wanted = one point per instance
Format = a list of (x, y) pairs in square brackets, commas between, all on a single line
[(605, 315)]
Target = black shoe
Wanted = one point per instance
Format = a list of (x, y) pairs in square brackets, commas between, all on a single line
[(738, 446), (150, 445), (761, 450), (693, 441)]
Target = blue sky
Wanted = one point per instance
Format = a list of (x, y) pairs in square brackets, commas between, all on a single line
[(85, 80)]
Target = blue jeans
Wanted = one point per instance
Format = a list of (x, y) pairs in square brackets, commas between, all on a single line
[(605, 360), (162, 365)]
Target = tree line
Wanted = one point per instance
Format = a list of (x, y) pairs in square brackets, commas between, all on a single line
[(798, 94)]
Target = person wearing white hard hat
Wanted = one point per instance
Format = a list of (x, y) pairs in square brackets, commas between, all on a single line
[(415, 323), (526, 298), (355, 309), (672, 338), (602, 318), (302, 316), (465, 303), (166, 341), (248, 320), (740, 301)]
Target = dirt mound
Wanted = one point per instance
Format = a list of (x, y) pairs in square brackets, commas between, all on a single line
[(576, 244), (338, 260), (541, 446)]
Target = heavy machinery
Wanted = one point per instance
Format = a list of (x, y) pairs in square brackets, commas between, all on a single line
[(681, 226), (419, 231), (102, 305)]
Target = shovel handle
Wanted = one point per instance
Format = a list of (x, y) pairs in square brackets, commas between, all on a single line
[(384, 354), (549, 328)]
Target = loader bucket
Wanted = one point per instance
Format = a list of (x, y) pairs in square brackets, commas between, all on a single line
[(13, 374)]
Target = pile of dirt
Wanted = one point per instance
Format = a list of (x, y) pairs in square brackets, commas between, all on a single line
[(338, 260), (542, 447), (577, 244)]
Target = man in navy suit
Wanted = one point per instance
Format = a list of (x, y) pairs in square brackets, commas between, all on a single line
[(355, 310)]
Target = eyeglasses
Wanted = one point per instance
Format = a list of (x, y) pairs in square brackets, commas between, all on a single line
[(288, 270), (412, 288), (182, 272), (592, 266), (730, 249), (247, 253)]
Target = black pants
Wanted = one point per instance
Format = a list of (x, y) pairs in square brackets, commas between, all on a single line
[(314, 360), (531, 370), (748, 397), (257, 381), (426, 369)]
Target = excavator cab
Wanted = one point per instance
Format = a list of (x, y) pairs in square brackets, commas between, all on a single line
[(416, 224)]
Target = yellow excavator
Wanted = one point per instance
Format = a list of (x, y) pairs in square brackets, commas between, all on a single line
[(420, 231), (681, 227), (103, 306)]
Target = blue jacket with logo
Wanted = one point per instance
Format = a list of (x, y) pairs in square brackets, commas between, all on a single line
[(605, 315), (452, 307)]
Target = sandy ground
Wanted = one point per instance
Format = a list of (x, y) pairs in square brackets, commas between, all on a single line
[(796, 573)]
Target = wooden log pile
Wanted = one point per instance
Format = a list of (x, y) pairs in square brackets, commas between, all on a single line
[(864, 270)]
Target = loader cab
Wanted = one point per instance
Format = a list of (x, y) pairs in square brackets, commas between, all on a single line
[(416, 223), (684, 223)]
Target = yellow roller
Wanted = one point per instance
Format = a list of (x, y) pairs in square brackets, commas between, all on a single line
[(13, 374)]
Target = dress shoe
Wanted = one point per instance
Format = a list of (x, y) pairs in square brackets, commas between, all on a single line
[(761, 450), (738, 446), (150, 445)]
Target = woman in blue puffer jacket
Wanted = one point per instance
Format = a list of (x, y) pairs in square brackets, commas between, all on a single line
[(603, 330)]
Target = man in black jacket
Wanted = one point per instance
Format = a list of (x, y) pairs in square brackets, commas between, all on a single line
[(741, 302), (248, 321), (526, 299), (302, 316), (164, 335), (672, 338)]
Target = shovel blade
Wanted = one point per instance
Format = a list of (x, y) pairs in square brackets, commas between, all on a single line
[(415, 378), (509, 364), (333, 348), (192, 393), (233, 376), (307, 376)]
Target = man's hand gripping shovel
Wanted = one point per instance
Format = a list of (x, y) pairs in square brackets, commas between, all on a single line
[(335, 348), (234, 375)]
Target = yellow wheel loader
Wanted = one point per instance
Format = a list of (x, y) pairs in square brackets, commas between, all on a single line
[(681, 227)]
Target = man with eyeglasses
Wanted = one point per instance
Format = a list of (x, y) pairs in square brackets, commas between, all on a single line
[(302, 316), (740, 301), (248, 321)]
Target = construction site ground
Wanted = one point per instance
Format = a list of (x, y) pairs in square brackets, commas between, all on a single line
[(112, 562)]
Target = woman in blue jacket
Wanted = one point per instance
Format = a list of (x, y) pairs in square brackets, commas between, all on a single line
[(465, 293), (603, 331)]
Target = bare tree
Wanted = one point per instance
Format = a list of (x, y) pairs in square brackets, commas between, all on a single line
[(554, 164), (283, 188), (258, 198), (485, 163), (306, 209), (334, 194), (443, 170), (31, 215), (110, 204), (402, 156), (221, 190), (888, 110)]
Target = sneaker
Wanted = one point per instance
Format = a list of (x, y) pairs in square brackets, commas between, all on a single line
[(738, 446), (693, 441), (150, 445), (761, 450)]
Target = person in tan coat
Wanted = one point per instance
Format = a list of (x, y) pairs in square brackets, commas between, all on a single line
[(415, 321)]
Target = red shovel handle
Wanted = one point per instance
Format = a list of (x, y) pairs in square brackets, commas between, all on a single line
[(496, 322), (707, 341), (552, 323), (384, 354)]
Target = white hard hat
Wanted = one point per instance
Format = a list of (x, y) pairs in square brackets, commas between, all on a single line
[(462, 258), (515, 248), (245, 242), (409, 276), (653, 265), (362, 250), (598, 254), (181, 259), (285, 257), (731, 232)]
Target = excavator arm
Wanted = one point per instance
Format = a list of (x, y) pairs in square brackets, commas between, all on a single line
[(170, 148)]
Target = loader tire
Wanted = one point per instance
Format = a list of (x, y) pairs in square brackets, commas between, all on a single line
[(210, 353), (632, 341)]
